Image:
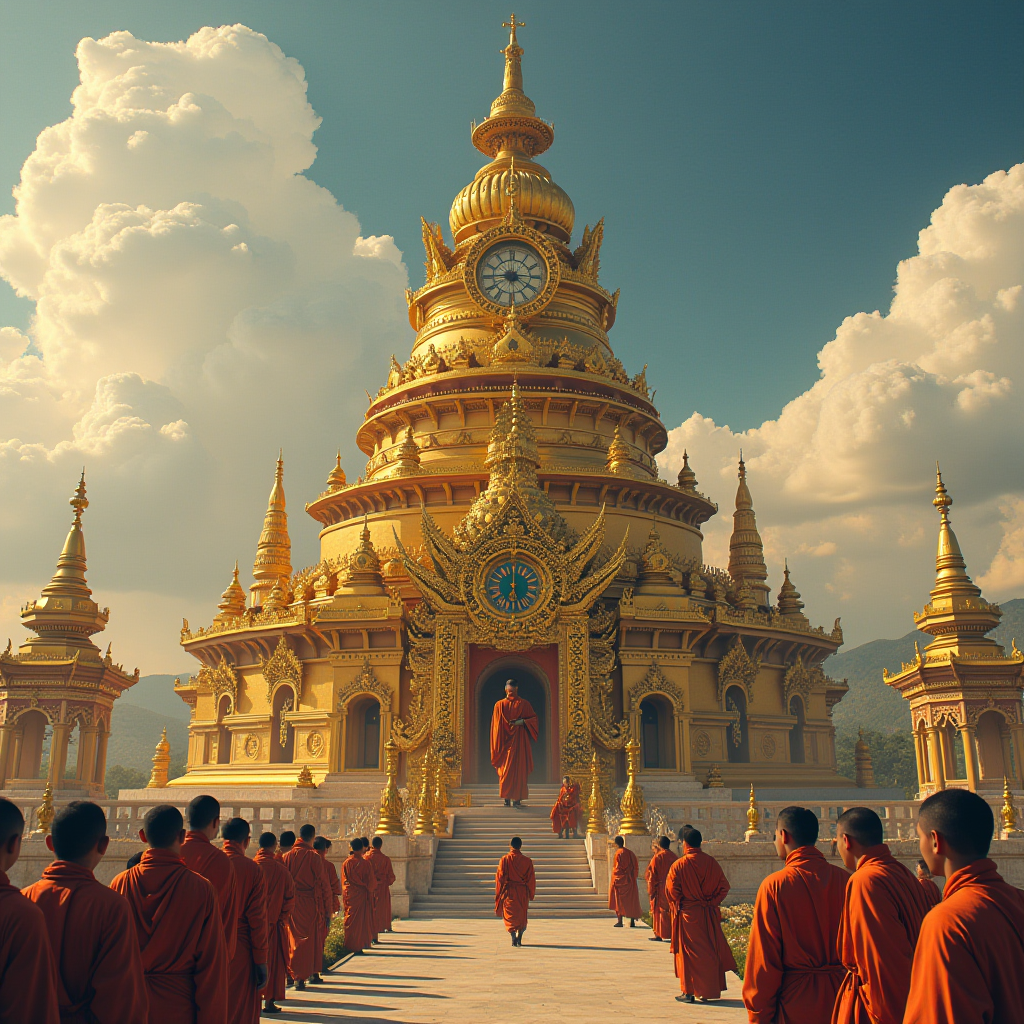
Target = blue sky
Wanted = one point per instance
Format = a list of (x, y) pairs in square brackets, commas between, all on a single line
[(761, 167)]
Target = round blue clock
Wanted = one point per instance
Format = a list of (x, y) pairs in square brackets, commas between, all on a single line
[(512, 586)]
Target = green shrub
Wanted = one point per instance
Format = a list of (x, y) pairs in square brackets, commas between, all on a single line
[(118, 777), (334, 947), (736, 922)]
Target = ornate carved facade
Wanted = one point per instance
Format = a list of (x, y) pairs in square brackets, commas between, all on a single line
[(964, 689), (59, 682), (511, 521)]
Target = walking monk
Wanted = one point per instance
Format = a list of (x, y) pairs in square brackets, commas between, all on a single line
[(385, 872), (657, 872), (92, 933), (884, 908), (247, 969), (311, 910), (202, 857), (357, 884), (932, 893), (695, 888), (969, 963), (365, 854), (623, 894), (280, 897), (513, 728), (322, 844), (28, 980), (179, 926), (566, 812), (793, 970), (515, 884)]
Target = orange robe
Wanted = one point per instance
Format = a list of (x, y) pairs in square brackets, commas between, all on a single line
[(515, 884), (280, 897), (202, 857), (969, 963), (696, 886), (566, 812), (885, 906), (385, 872), (374, 934), (95, 948), (335, 883), (310, 910), (28, 979), (932, 892), (661, 912), (357, 885), (623, 894), (511, 753), (793, 969), (251, 948), (181, 938)]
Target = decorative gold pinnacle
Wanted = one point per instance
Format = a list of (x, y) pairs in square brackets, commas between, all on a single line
[(595, 805), (632, 806), (336, 478), (440, 796), (305, 779), (714, 778), (391, 808), (1008, 812), (425, 807), (44, 813), (753, 816), (161, 763), (274, 549)]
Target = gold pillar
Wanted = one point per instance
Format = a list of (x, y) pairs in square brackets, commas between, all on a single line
[(86, 753), (922, 768), (684, 757), (58, 754), (935, 758), (101, 757), (19, 746), (6, 743), (967, 733), (1004, 742), (946, 758), (1017, 737)]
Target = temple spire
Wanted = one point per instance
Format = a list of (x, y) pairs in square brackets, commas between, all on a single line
[(274, 549), (69, 579), (746, 551), (513, 56), (950, 568)]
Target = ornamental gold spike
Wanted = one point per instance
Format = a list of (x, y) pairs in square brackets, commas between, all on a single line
[(753, 815), (161, 763), (595, 805), (1008, 812), (632, 806), (44, 813), (391, 808), (425, 808)]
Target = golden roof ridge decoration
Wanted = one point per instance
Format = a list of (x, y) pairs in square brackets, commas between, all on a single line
[(746, 550), (274, 548)]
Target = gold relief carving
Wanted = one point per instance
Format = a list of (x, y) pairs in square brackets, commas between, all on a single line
[(701, 744), (219, 681), (588, 252), (738, 667), (315, 744), (576, 747), (410, 735), (768, 746), (282, 667), (800, 680), (365, 682), (288, 704), (609, 734), (251, 746), (655, 681), (446, 738)]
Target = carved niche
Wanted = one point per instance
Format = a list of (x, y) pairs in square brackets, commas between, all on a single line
[(219, 681), (737, 667), (365, 682), (655, 681), (282, 667)]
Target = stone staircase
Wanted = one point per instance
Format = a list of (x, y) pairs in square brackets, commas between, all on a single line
[(463, 880)]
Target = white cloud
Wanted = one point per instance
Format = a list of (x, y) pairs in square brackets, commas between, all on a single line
[(199, 302), (844, 474)]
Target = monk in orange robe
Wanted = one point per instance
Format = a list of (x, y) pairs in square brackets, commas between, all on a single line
[(28, 978), (696, 886), (202, 857), (932, 892), (515, 885), (179, 927), (655, 876), (322, 845), (565, 814), (365, 852), (514, 727), (280, 897), (623, 894), (969, 962), (92, 933), (793, 968), (247, 970), (357, 885), (884, 908), (385, 872), (312, 909)]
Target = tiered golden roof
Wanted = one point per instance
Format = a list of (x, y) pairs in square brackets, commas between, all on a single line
[(274, 549), (746, 552)]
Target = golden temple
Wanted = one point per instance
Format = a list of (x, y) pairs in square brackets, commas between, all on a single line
[(511, 521)]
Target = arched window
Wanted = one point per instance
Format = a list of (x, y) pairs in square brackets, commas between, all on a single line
[(796, 734), (657, 733), (737, 742), (994, 748), (649, 734), (223, 732), (33, 726), (363, 736)]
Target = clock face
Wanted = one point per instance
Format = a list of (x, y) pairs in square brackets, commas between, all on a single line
[(511, 272), (513, 586)]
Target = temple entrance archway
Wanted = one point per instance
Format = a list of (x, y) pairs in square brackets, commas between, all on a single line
[(533, 687)]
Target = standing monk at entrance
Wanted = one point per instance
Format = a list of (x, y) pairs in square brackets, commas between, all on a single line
[(513, 728), (312, 910), (280, 897), (885, 906), (969, 962), (565, 814), (657, 872), (623, 895), (385, 872), (696, 886), (793, 970), (515, 884)]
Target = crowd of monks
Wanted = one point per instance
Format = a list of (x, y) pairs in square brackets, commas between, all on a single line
[(191, 932)]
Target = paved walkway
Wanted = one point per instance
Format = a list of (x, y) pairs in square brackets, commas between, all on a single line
[(466, 972)]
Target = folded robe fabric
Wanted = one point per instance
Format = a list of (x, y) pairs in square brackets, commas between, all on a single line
[(623, 894), (655, 875), (515, 884), (357, 885), (251, 945), (280, 897), (311, 907), (511, 753), (28, 979), (385, 872)]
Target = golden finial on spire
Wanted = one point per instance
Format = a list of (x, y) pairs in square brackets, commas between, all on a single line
[(161, 763), (512, 215), (512, 25), (336, 478), (513, 56), (687, 480), (79, 502), (942, 499), (274, 549)]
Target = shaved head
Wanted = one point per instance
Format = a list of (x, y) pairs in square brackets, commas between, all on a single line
[(691, 836), (268, 841), (202, 812), (307, 832), (235, 830), (862, 825), (800, 823), (77, 828), (12, 821), (162, 825), (962, 818)]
